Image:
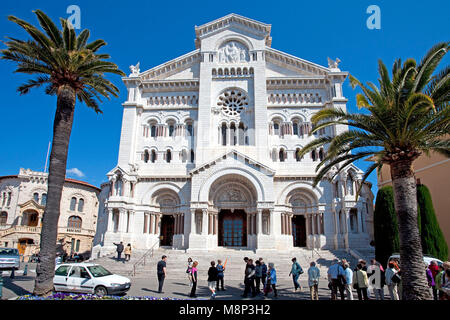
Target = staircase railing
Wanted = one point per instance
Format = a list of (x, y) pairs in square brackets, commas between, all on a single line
[(141, 260)]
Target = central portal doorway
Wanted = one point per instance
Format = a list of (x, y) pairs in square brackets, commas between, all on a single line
[(167, 228), (232, 228), (299, 230)]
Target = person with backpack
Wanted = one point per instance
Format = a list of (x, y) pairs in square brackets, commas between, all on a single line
[(348, 273), (296, 271), (212, 279), (392, 286), (220, 270), (258, 276), (335, 278)]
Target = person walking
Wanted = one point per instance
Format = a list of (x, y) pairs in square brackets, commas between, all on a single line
[(189, 271), (258, 276), (434, 269), (335, 276), (212, 279), (194, 279), (263, 271), (271, 280), (220, 270), (161, 272), (313, 280), (119, 249), (127, 252), (249, 281), (348, 274), (296, 271), (360, 282), (438, 281), (430, 278), (392, 286)]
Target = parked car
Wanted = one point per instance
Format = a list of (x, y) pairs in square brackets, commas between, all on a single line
[(426, 259), (9, 259), (89, 278)]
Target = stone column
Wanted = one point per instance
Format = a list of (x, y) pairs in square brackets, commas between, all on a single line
[(150, 228), (157, 218), (271, 222), (204, 221), (290, 224), (193, 231), (216, 223), (359, 216), (308, 231), (210, 223), (110, 226), (259, 224)]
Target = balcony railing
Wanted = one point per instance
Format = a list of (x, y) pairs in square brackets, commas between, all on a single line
[(61, 230)]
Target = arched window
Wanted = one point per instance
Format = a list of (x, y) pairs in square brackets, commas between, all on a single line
[(321, 154), (146, 156), (73, 203), (192, 155), (233, 134), (241, 133), (74, 222), (190, 129), (168, 156), (297, 157), (153, 156), (44, 199), (276, 128), (3, 218), (153, 131), (36, 197), (119, 186), (281, 155), (313, 155), (224, 134), (80, 205), (295, 127), (171, 130), (350, 189), (354, 220)]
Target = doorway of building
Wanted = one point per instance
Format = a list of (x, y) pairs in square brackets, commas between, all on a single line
[(299, 230), (232, 228), (167, 228), (23, 244)]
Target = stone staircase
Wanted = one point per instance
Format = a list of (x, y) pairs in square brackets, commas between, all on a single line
[(177, 261)]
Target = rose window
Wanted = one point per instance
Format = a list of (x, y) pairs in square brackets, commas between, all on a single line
[(232, 102)]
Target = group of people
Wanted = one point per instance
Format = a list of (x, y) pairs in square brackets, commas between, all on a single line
[(126, 250), (342, 280)]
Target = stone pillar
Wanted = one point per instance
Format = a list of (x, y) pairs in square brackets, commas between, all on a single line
[(216, 223), (204, 221), (157, 218), (308, 231), (359, 216), (210, 223), (290, 224), (259, 224), (193, 221), (182, 223), (110, 227), (271, 222)]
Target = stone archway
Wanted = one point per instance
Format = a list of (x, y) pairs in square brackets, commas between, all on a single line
[(234, 198), (167, 204)]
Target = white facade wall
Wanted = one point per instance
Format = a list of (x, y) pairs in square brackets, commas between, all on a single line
[(233, 68)]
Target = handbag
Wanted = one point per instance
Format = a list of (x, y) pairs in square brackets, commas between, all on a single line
[(396, 278)]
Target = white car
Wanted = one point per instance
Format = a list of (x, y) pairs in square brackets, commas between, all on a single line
[(88, 278), (426, 259)]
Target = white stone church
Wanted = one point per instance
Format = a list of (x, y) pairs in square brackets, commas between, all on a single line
[(208, 158)]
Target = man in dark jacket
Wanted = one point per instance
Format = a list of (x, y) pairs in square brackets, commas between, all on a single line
[(249, 281), (119, 249)]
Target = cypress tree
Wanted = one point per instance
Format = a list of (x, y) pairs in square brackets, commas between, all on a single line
[(385, 225), (433, 241)]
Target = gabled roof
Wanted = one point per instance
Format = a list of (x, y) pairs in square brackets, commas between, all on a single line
[(218, 159), (253, 26)]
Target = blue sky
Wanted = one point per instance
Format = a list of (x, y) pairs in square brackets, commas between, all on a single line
[(153, 32)]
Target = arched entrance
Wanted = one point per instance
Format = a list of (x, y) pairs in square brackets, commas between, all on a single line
[(234, 197), (299, 230), (23, 244), (167, 230), (232, 228)]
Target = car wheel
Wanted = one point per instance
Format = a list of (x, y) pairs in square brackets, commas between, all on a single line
[(100, 291)]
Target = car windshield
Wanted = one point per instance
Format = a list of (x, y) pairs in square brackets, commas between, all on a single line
[(99, 271), (8, 252)]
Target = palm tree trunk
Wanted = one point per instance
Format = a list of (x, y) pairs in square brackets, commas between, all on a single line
[(62, 128), (415, 286)]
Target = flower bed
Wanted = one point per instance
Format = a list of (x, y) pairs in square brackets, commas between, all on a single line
[(69, 296)]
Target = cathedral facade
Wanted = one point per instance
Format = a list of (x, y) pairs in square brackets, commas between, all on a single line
[(208, 152)]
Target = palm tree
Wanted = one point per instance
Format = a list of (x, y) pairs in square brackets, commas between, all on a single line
[(70, 68), (406, 116)]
